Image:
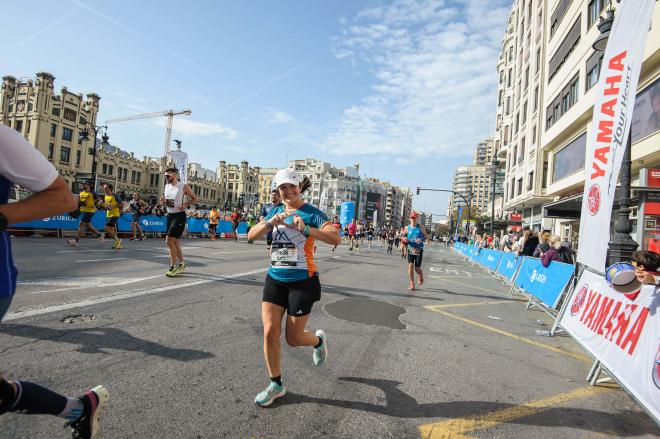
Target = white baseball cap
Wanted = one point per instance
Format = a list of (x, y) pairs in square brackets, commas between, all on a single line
[(286, 175)]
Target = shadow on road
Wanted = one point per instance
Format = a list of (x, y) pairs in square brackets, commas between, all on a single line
[(398, 404), (97, 340)]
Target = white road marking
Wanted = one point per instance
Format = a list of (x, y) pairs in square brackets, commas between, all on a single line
[(240, 251), (450, 271), (100, 260), (81, 283), (122, 296)]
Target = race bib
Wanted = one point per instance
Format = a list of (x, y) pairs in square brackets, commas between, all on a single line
[(169, 203), (414, 251), (283, 255)]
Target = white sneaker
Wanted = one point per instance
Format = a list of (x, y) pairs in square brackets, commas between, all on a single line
[(321, 353)]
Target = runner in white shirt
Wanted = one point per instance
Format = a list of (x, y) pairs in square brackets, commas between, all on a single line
[(22, 164), (175, 192)]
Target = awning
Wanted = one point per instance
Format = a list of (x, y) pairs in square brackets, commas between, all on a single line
[(568, 208)]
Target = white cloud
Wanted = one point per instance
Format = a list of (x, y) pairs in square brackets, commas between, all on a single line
[(194, 128), (273, 116), (433, 64)]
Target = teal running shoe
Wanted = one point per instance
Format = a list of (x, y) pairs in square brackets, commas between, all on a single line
[(270, 394), (321, 353)]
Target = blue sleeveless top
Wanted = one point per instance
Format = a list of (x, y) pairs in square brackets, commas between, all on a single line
[(8, 271)]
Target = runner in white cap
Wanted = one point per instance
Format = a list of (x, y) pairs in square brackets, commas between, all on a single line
[(292, 283)]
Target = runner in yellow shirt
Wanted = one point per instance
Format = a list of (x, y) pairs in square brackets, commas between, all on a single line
[(87, 209), (111, 207)]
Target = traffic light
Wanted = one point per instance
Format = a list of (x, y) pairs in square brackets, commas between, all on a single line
[(418, 189)]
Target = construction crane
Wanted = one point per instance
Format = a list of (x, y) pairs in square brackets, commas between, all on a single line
[(170, 118)]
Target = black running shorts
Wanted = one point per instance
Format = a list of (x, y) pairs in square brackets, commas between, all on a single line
[(111, 221), (297, 297), (87, 217), (415, 259), (212, 227), (176, 224)]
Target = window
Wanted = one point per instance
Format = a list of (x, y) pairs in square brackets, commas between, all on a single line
[(65, 154), (565, 49), (536, 99), (524, 114), (593, 69), (508, 80), (499, 98), (521, 157), (515, 155), (29, 126), (508, 105), (557, 111), (231, 175), (104, 169), (565, 103), (56, 111), (519, 186), (10, 108), (575, 90), (138, 178), (534, 135), (110, 169), (231, 186), (516, 124), (53, 130), (133, 175), (125, 174), (70, 115), (526, 78), (78, 157), (558, 14), (595, 9), (30, 106), (506, 135), (570, 158), (67, 134), (537, 67), (544, 178), (51, 150), (18, 125), (530, 181), (82, 121)]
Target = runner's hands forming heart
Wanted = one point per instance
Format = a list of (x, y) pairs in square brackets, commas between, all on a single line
[(278, 220), (298, 223)]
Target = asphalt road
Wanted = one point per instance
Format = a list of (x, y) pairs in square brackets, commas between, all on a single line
[(182, 357)]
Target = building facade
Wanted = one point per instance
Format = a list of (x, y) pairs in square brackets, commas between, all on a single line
[(241, 184), (51, 122)]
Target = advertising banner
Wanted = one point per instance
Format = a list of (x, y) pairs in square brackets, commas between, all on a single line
[(612, 117), (491, 259), (509, 264), (620, 332), (373, 205), (198, 225), (544, 283), (347, 213), (458, 221)]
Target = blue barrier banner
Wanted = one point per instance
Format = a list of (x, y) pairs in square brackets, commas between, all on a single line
[(491, 259), (509, 264), (197, 225), (474, 253), (544, 283), (153, 224)]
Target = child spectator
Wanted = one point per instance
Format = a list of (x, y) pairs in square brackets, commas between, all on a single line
[(646, 264)]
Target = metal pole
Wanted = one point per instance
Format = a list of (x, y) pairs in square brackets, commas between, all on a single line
[(622, 245), (492, 208)]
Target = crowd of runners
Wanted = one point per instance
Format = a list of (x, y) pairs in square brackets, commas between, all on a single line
[(292, 285)]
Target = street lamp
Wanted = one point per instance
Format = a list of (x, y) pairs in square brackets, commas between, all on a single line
[(622, 246), (84, 136), (467, 202), (493, 168)]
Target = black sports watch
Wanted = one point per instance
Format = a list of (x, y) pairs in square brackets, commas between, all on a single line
[(3, 222)]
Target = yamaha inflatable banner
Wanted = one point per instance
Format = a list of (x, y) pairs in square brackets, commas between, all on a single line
[(509, 265), (622, 331), (544, 283), (491, 259), (614, 102)]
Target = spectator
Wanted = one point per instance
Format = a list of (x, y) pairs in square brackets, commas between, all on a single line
[(555, 251), (543, 245), (530, 243), (646, 264)]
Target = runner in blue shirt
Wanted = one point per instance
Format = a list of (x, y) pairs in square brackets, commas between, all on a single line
[(292, 283), (22, 164), (416, 235)]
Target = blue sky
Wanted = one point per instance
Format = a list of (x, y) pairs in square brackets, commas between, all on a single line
[(406, 88)]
